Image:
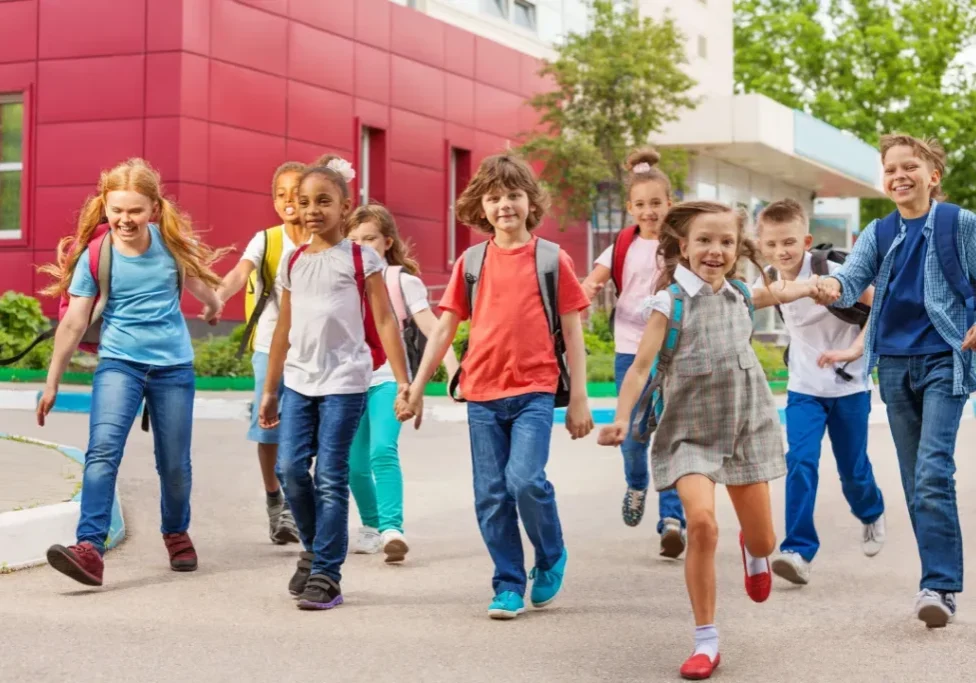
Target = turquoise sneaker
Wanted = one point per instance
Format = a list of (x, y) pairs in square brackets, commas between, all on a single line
[(507, 605), (546, 583)]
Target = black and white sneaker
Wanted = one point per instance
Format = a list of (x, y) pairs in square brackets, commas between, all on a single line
[(935, 608), (296, 586)]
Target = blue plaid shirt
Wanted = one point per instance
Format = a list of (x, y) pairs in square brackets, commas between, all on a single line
[(945, 308)]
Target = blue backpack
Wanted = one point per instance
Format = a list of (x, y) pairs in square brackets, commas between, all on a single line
[(650, 406), (946, 242)]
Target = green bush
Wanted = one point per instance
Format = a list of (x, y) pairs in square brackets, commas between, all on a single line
[(21, 320), (217, 356), (770, 357)]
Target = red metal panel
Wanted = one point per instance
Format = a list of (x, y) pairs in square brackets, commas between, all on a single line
[(18, 31), (460, 136), (372, 114), (528, 119), (234, 218), (426, 237), (57, 212), (460, 99), (459, 51), (372, 68), (164, 21), (69, 28), (243, 159), (417, 87), (76, 153), (195, 86), (337, 16), (485, 145), (497, 65), (194, 200), (90, 89), (418, 192), (416, 36), (417, 140), (178, 148), (496, 111), (249, 37), (279, 7), (320, 116), (373, 22), (164, 74), (530, 82), (247, 99), (307, 152), (320, 58)]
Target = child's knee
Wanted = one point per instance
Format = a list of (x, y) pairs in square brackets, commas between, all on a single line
[(702, 530), (761, 544)]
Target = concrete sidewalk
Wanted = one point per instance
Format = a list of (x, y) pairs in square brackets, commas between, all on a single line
[(34, 475)]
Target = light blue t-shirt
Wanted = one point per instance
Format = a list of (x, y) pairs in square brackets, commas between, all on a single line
[(142, 321)]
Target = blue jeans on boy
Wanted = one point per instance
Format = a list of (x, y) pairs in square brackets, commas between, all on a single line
[(118, 390), (509, 451), (319, 428), (924, 417), (635, 458), (846, 420)]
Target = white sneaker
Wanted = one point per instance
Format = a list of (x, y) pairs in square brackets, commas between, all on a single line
[(792, 567), (367, 542), (874, 537), (934, 608), (394, 545)]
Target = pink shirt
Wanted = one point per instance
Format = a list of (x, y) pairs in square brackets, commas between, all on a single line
[(640, 275)]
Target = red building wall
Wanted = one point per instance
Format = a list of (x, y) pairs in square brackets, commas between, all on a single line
[(217, 93)]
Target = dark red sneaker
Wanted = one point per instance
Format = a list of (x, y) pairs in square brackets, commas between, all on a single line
[(758, 586), (182, 555), (81, 562)]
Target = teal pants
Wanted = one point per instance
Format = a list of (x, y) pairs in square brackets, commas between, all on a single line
[(374, 462)]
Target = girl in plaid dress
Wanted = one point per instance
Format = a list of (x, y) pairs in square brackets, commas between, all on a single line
[(719, 424)]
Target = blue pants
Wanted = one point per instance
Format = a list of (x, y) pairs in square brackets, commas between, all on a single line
[(118, 390), (319, 428), (635, 459), (259, 361), (509, 451), (924, 417), (846, 420)]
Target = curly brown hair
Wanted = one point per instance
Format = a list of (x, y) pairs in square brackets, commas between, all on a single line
[(676, 227), (501, 172), (928, 149), (399, 253)]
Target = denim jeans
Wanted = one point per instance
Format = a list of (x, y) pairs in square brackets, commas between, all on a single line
[(846, 420), (118, 389), (509, 451), (924, 417), (319, 428), (635, 459)]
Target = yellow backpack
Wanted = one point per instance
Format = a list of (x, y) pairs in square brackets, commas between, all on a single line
[(255, 302)]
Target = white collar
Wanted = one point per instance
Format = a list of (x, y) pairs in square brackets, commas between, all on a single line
[(693, 284)]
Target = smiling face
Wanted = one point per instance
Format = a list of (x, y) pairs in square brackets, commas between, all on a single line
[(711, 247), (649, 203), (286, 197), (784, 244), (129, 214), (908, 179), (321, 206), (506, 209), (369, 234)]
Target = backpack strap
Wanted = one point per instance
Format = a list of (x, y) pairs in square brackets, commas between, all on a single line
[(100, 265), (547, 273), (248, 337), (746, 294), (885, 231), (818, 260), (946, 240), (618, 255), (474, 263), (294, 257), (394, 285), (357, 262)]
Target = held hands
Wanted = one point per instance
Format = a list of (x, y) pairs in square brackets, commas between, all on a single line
[(579, 419), (212, 310), (613, 434), (268, 413), (840, 356), (828, 291), (593, 288), (409, 404), (45, 403)]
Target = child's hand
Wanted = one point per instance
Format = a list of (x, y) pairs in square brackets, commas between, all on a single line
[(268, 414), (45, 403), (837, 357), (613, 435), (579, 419), (593, 288), (212, 310), (410, 403), (969, 342), (828, 291)]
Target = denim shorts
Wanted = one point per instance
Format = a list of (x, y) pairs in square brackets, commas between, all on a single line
[(259, 361)]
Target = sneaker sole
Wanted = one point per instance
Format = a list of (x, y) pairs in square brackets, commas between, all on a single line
[(934, 616), (63, 563), (285, 536), (672, 545), (396, 551), (309, 605), (633, 522), (504, 614), (183, 567), (872, 552), (787, 570), (364, 551)]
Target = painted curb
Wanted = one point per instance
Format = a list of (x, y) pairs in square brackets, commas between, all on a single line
[(25, 535)]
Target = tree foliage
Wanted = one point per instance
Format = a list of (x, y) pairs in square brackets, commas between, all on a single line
[(613, 87), (869, 67)]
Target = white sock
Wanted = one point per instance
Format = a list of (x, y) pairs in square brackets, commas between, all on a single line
[(706, 641), (755, 565)]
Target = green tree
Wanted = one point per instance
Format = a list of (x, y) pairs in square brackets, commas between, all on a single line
[(869, 67), (613, 87)]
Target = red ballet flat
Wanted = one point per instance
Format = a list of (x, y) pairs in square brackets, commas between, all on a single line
[(699, 667), (758, 586)]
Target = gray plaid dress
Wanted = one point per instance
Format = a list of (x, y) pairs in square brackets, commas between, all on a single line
[(719, 418)]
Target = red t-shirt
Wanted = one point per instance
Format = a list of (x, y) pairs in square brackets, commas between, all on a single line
[(510, 351)]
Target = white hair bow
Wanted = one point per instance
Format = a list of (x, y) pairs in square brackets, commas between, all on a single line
[(343, 168), (642, 167)]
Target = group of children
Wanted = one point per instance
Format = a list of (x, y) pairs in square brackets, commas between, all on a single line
[(333, 382)]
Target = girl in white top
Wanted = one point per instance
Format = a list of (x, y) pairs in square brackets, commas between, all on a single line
[(648, 200), (325, 344), (374, 462)]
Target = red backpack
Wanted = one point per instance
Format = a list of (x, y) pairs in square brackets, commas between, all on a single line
[(369, 325)]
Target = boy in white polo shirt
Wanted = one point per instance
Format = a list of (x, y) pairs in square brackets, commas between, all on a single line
[(828, 389)]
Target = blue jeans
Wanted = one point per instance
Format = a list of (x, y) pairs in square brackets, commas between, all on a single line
[(319, 427), (635, 459), (924, 418), (846, 420), (509, 451), (118, 389)]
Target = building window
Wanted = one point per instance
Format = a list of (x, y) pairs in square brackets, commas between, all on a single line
[(11, 165), (523, 14), (498, 8), (458, 176), (371, 173), (703, 47)]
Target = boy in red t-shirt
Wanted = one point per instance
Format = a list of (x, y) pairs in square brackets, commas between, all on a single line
[(509, 377)]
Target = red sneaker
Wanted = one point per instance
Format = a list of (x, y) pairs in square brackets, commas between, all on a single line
[(758, 586), (81, 562), (699, 667), (182, 555)]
